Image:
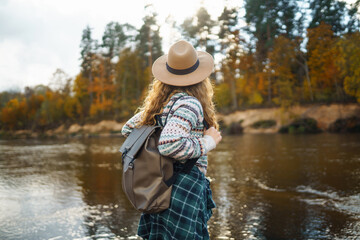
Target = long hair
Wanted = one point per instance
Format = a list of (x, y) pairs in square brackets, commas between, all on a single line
[(160, 93)]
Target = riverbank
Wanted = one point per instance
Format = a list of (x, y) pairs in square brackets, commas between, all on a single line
[(331, 118), (326, 116)]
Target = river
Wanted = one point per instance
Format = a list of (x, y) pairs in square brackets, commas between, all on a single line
[(265, 187)]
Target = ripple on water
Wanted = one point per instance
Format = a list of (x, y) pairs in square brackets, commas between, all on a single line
[(348, 204)]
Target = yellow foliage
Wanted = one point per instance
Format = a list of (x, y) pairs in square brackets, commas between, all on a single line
[(13, 115), (256, 98), (282, 59), (349, 63), (323, 53), (222, 95)]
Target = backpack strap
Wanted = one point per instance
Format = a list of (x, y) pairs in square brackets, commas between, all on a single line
[(158, 117), (190, 162)]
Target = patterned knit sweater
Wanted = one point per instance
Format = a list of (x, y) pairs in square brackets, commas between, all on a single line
[(182, 137)]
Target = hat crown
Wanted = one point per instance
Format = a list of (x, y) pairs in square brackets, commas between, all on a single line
[(182, 55)]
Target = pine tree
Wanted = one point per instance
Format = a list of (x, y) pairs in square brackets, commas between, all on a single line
[(113, 40), (230, 48), (331, 12), (199, 31), (88, 50), (267, 19), (149, 40), (88, 47)]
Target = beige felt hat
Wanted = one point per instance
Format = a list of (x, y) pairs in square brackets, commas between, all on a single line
[(183, 65)]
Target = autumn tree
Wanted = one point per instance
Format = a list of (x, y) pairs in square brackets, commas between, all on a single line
[(349, 63), (102, 88), (33, 105), (322, 55), (281, 64), (251, 82), (131, 82), (13, 115)]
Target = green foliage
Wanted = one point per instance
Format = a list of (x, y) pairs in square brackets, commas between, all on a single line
[(88, 47), (255, 98), (267, 19), (149, 40), (199, 29), (233, 128), (346, 125), (331, 12), (302, 125), (349, 63), (264, 124), (222, 96), (130, 83)]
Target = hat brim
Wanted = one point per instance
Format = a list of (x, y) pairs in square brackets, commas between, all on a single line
[(205, 68)]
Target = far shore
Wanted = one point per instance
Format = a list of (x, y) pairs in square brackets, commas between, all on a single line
[(327, 118)]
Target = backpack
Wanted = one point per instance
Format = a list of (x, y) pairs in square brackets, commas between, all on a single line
[(148, 176)]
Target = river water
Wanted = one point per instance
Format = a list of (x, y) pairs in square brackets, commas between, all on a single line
[(265, 187)]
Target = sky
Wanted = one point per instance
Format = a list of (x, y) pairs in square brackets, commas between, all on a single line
[(39, 36)]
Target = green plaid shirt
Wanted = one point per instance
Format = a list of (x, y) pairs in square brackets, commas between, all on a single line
[(190, 209)]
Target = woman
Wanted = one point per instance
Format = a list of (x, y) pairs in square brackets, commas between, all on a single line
[(182, 95)]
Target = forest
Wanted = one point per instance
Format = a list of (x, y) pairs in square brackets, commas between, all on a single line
[(289, 52)]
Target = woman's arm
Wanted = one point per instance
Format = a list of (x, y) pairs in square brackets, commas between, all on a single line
[(176, 141), (130, 124)]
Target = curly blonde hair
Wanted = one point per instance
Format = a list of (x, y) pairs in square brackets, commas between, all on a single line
[(160, 93)]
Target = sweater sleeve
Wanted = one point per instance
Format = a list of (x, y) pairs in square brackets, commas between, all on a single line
[(130, 124), (176, 140)]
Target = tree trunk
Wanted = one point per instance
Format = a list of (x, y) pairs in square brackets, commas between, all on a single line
[(308, 80), (233, 93)]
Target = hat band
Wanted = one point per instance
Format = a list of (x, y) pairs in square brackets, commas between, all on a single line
[(183, 71)]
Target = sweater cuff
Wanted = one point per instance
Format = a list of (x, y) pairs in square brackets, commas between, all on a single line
[(209, 143)]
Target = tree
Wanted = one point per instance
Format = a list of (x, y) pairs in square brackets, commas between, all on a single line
[(199, 29), (13, 115), (33, 105), (230, 48), (228, 23), (113, 40), (349, 63), (131, 82), (88, 50), (251, 82), (149, 40), (281, 62), (102, 88), (331, 12), (267, 19), (81, 94), (322, 54), (60, 82)]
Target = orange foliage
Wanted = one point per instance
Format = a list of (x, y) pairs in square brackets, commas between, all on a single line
[(323, 53), (103, 89), (13, 115)]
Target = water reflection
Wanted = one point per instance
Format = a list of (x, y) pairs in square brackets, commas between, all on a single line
[(265, 187)]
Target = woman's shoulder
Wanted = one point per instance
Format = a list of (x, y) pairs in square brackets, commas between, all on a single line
[(182, 102)]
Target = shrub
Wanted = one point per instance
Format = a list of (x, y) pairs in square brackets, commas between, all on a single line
[(302, 125), (263, 124), (345, 125)]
